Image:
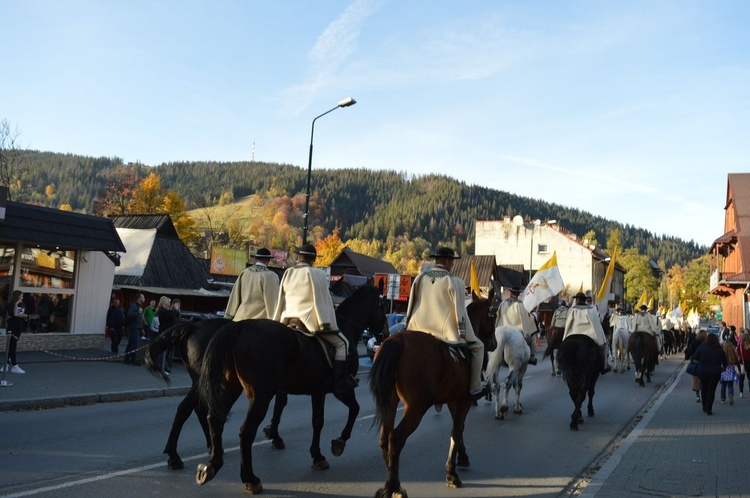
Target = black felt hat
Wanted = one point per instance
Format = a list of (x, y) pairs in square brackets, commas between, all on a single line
[(262, 253), (445, 252), (580, 296), (307, 249)]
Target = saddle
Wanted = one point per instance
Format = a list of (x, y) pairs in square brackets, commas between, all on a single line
[(328, 350)]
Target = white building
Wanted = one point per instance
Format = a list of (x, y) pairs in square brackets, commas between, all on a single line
[(533, 243)]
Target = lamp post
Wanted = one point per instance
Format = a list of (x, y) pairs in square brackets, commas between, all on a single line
[(344, 103), (518, 221)]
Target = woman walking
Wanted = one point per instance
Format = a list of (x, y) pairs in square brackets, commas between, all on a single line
[(743, 355), (15, 324), (711, 362), (695, 340), (730, 375)]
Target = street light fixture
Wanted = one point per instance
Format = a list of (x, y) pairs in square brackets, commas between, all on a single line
[(344, 103), (518, 221)]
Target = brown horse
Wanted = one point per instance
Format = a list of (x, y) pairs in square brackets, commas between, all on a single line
[(421, 371), (644, 350), (554, 339)]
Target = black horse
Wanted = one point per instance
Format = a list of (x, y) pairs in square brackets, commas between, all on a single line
[(580, 363), (352, 322), (645, 352), (263, 357), (190, 339)]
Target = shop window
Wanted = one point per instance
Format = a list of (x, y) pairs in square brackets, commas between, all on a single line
[(47, 268), (48, 312)]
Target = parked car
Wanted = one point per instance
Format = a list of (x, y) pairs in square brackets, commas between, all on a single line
[(714, 328), (373, 344)]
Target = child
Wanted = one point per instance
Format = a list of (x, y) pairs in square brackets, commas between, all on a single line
[(730, 374)]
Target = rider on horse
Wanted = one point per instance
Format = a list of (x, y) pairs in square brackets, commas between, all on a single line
[(437, 307), (305, 304), (557, 324), (584, 319), (512, 313), (643, 321), (255, 292)]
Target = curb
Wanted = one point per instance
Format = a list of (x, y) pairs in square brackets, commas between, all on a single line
[(90, 399)]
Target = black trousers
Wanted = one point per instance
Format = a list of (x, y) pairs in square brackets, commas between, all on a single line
[(708, 390), (116, 335)]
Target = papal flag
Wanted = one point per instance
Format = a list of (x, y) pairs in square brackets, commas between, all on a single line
[(677, 312), (651, 303), (602, 297), (474, 279), (546, 283)]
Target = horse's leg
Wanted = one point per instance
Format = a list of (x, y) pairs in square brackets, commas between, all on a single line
[(457, 456), (519, 385), (206, 472), (184, 409), (339, 444), (386, 429), (272, 430), (318, 417), (578, 395), (507, 384), (592, 384), (255, 415), (396, 440)]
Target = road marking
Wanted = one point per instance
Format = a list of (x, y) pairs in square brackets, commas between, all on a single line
[(126, 472)]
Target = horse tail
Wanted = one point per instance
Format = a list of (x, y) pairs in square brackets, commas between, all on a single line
[(217, 358), (568, 359), (383, 376), (550, 348), (495, 358), (170, 337)]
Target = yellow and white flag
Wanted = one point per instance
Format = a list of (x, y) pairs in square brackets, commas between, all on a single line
[(547, 282), (602, 297)]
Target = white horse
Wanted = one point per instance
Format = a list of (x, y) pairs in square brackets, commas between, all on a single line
[(620, 338), (513, 352)]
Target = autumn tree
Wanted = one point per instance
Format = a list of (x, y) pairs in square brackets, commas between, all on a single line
[(328, 248), (614, 241), (589, 239), (11, 166), (118, 192), (638, 275), (173, 205), (148, 197)]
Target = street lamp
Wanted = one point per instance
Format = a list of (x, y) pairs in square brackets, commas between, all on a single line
[(344, 103), (519, 222)]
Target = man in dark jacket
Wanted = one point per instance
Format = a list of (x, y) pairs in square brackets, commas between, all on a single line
[(115, 323), (134, 320)]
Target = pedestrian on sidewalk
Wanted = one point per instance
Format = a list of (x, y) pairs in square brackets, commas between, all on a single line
[(168, 315), (743, 355), (730, 375), (115, 324), (14, 325), (711, 362), (695, 340), (134, 321)]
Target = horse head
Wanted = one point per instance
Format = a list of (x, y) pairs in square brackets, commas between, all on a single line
[(482, 316), (364, 309)]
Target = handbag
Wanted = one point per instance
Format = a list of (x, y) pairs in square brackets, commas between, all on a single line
[(692, 368)]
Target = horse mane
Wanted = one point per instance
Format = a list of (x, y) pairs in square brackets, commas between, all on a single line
[(359, 292)]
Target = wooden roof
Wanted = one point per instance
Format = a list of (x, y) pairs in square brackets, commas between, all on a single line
[(351, 262), (43, 226), (486, 268)]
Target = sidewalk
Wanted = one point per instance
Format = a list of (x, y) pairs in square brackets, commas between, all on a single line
[(84, 376), (673, 450), (677, 450)]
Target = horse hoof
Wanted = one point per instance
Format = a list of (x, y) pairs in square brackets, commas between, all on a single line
[(438, 408), (337, 446), (203, 474), (463, 461), (320, 464), (267, 432), (519, 411), (591, 413), (175, 463), (254, 489), (500, 417), (453, 481), (278, 444), (573, 427)]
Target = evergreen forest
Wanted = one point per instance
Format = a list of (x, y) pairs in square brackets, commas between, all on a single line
[(359, 203)]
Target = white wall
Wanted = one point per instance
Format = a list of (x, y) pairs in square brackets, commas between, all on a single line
[(512, 245), (93, 292)]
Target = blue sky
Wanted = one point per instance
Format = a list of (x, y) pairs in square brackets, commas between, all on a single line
[(631, 110)]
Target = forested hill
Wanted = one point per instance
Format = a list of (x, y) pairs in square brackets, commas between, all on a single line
[(364, 204)]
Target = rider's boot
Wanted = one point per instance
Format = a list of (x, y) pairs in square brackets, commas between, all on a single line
[(532, 360), (343, 384), (607, 368)]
